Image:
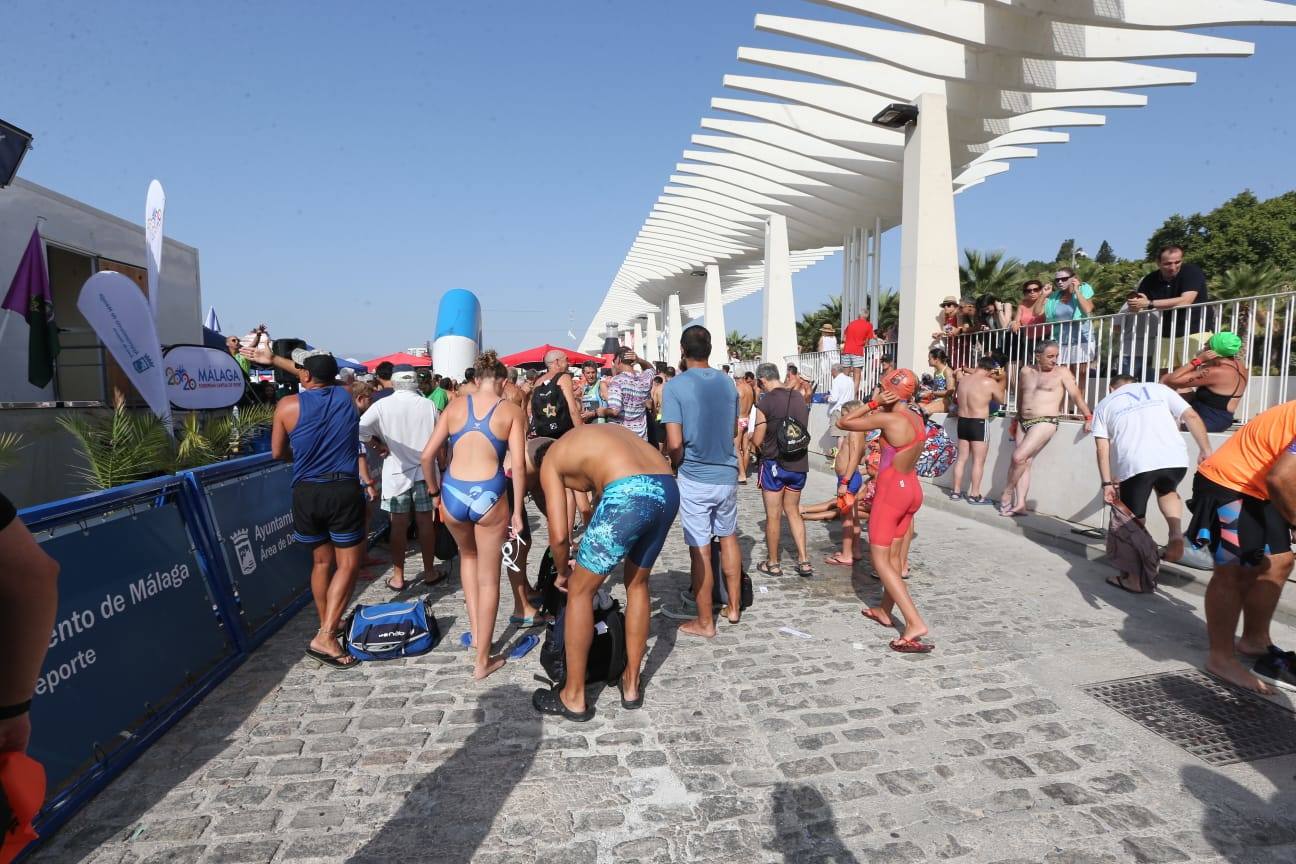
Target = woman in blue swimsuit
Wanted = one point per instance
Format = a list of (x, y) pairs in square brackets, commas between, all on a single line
[(480, 429)]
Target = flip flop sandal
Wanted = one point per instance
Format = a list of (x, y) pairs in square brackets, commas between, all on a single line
[(911, 646), (631, 704), (547, 701), (836, 561), (769, 569), (394, 589), (865, 612), (524, 646), (331, 661), (804, 570), (530, 620), (955, 496), (1116, 582), (465, 640)]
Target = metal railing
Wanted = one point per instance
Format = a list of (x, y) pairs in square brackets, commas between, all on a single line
[(1150, 344), (817, 366)]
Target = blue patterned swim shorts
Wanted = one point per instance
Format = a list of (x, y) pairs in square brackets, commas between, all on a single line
[(632, 520)]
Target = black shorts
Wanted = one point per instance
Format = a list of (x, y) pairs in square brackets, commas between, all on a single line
[(1239, 529), (329, 512), (1134, 491), (971, 429), (8, 513)]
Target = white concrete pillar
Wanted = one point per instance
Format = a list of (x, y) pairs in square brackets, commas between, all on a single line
[(639, 340), (713, 314), (674, 327), (778, 328), (928, 240), (652, 345)]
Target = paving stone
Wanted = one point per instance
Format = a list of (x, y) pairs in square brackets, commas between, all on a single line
[(250, 852), (1008, 767), (1068, 793), (300, 765), (1153, 850)]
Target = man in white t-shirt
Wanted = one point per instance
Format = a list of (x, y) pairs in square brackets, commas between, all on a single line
[(1140, 422), (403, 423)]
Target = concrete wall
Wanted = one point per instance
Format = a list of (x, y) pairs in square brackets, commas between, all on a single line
[(45, 466), (91, 232), (1064, 479)]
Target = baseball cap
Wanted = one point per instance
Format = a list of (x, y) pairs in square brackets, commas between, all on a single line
[(1225, 344), (902, 382), (404, 374), (321, 365)]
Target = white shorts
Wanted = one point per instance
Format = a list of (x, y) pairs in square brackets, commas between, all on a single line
[(707, 510)]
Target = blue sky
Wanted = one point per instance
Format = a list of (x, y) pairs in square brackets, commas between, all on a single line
[(340, 166)]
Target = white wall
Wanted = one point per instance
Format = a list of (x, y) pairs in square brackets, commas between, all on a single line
[(91, 232), (1064, 479)]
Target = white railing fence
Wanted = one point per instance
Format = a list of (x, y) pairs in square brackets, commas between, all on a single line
[(817, 367), (1146, 345), (1149, 344)]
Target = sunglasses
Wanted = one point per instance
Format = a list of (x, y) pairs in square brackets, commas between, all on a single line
[(1062, 279), (1030, 290)]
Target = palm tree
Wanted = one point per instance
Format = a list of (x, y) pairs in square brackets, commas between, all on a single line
[(120, 448), (989, 273), (10, 444), (810, 324), (742, 346), (1247, 281)]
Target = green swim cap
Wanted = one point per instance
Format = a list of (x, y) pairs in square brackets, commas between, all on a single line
[(1225, 344)]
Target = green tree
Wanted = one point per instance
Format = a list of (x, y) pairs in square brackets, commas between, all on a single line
[(1105, 254), (744, 346), (1247, 281), (989, 273), (811, 322), (1243, 231), (1064, 251)]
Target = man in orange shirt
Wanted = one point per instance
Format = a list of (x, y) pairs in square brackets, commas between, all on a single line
[(1244, 505)]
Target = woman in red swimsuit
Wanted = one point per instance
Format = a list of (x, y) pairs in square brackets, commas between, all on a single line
[(898, 498)]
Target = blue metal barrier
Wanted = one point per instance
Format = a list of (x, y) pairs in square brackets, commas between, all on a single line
[(166, 586)]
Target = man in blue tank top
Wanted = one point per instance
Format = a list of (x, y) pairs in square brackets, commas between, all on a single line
[(318, 431)]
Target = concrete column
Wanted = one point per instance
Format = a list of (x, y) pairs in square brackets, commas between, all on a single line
[(639, 340), (652, 346), (928, 242), (713, 314), (778, 328), (674, 326)]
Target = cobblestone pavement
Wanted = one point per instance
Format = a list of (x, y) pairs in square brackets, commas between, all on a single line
[(757, 746)]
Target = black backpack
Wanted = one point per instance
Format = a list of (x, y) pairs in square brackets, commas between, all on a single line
[(607, 656), (550, 417), (552, 600), (791, 437), (719, 590)]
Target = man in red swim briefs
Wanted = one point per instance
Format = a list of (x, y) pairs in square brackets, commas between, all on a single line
[(898, 498)]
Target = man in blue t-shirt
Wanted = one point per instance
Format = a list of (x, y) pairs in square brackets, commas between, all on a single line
[(700, 411)]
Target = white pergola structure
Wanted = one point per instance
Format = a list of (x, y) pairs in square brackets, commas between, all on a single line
[(776, 183)]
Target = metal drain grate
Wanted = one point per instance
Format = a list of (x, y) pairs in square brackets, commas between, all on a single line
[(1215, 723)]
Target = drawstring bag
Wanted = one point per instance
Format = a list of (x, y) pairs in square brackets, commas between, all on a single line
[(938, 452), (1131, 549)]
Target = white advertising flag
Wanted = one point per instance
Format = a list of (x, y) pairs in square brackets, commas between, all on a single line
[(154, 213), (200, 379), (120, 316)]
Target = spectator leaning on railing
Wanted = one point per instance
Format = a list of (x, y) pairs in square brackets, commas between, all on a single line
[(1169, 289), (1216, 379), (1068, 305)]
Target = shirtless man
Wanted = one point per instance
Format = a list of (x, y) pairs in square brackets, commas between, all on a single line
[(637, 502), (1041, 391), (977, 388), (796, 381), (742, 443)]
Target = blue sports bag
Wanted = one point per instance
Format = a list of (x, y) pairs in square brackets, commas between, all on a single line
[(389, 631)]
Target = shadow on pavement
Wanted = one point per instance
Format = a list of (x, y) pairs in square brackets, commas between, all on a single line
[(805, 828), (448, 813)]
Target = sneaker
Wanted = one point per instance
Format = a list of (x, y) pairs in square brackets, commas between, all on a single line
[(1278, 667)]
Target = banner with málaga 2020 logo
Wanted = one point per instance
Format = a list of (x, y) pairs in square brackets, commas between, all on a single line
[(253, 516), (200, 379)]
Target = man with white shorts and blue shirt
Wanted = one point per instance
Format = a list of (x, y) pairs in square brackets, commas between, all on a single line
[(700, 412)]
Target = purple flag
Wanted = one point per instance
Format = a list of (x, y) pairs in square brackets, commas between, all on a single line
[(29, 296)]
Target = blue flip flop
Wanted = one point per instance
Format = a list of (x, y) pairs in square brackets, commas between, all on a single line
[(465, 640), (524, 646)]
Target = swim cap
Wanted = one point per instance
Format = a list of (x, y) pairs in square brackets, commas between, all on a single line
[(1225, 344), (902, 382)]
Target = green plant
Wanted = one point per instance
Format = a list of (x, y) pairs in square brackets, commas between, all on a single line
[(120, 448), (1247, 281), (10, 444), (811, 322), (742, 346), (204, 439), (989, 273)]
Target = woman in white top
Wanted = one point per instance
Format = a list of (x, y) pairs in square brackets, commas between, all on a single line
[(827, 338)]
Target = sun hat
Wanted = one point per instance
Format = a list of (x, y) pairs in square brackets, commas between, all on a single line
[(1225, 344), (828, 328)]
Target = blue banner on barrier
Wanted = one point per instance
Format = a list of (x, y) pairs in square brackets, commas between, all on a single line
[(136, 628), (252, 514)]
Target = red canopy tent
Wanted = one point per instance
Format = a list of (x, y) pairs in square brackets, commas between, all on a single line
[(397, 359), (535, 356)]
